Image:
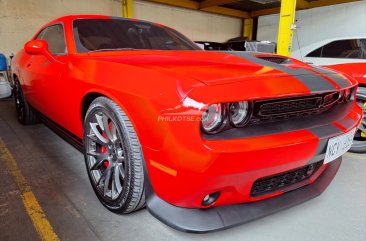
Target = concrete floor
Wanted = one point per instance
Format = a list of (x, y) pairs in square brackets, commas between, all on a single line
[(56, 173)]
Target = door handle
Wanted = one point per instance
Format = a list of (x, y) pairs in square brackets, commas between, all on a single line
[(29, 64)]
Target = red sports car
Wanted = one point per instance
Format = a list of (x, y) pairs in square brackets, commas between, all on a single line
[(207, 140)]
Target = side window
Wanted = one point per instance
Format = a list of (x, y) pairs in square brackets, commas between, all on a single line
[(339, 49), (316, 53), (345, 49), (39, 36), (54, 36)]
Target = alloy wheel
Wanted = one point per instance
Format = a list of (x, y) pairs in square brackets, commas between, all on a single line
[(106, 155)]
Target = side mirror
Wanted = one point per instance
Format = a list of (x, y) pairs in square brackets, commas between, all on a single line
[(40, 47), (36, 47)]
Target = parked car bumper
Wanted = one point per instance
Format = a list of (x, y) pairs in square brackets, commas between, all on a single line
[(189, 167)]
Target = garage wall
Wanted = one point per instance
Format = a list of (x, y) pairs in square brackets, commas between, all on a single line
[(318, 24), (20, 19), (194, 24)]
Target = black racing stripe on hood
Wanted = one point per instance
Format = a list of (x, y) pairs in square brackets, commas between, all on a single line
[(311, 80), (341, 81)]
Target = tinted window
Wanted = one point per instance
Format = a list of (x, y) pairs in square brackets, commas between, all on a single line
[(104, 34), (54, 36), (316, 53), (349, 49)]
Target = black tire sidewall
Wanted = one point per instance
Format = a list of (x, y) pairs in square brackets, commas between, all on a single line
[(122, 202), (18, 95)]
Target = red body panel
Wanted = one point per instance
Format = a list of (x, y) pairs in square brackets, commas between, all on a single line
[(183, 166), (356, 70)]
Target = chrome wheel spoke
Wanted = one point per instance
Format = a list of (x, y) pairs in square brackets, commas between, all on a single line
[(107, 180), (106, 128), (99, 159), (96, 140), (97, 134), (100, 180), (121, 171), (99, 118), (117, 180), (114, 131), (114, 192), (121, 159)]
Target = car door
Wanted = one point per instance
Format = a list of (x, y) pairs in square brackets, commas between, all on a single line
[(45, 82)]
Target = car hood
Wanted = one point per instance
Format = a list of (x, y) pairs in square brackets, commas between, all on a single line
[(218, 68)]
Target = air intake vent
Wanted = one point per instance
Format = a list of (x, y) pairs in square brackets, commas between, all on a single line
[(274, 59), (284, 180)]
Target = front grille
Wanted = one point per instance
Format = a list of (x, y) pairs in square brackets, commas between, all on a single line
[(274, 59), (293, 108), (281, 181), (281, 107)]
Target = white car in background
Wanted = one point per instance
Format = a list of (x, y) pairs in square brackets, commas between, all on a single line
[(333, 51)]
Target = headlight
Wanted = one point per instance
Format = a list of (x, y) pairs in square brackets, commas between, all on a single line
[(239, 113), (213, 118)]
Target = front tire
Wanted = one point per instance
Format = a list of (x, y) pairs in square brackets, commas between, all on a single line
[(113, 156), (359, 141)]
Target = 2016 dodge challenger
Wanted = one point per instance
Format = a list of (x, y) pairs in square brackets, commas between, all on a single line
[(207, 140)]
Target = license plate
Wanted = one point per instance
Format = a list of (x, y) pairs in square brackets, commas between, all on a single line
[(339, 145)]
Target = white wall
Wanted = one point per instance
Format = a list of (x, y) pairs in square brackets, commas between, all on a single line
[(20, 19), (194, 24), (317, 24)]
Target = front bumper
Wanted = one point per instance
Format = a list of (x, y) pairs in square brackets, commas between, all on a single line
[(223, 217), (189, 167)]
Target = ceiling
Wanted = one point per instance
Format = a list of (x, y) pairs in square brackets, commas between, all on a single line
[(245, 8), (244, 5)]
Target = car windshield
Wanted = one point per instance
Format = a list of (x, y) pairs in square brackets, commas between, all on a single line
[(93, 35)]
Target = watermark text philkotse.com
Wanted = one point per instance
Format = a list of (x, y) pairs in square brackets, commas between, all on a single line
[(178, 118)]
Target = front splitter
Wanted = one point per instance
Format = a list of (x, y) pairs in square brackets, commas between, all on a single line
[(223, 217)]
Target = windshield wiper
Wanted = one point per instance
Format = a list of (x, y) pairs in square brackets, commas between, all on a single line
[(101, 50)]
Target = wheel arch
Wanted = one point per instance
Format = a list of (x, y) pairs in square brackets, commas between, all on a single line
[(87, 100), (92, 95)]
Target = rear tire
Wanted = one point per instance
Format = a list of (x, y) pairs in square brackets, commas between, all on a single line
[(113, 157), (25, 113)]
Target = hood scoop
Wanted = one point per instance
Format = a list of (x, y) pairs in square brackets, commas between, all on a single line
[(275, 59)]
